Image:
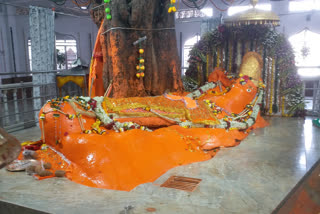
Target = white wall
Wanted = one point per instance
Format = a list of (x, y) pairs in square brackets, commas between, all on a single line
[(82, 28)]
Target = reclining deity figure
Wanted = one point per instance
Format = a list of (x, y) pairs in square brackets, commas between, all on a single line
[(121, 143)]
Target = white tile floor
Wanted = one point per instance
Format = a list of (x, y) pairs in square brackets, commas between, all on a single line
[(250, 178)]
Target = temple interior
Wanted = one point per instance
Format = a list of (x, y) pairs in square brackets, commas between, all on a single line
[(162, 106)]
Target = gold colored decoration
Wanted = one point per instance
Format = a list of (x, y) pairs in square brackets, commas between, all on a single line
[(137, 107), (253, 16), (272, 86), (252, 66), (282, 105), (79, 80), (230, 57), (199, 73)]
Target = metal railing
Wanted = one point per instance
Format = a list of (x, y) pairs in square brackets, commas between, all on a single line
[(20, 103)]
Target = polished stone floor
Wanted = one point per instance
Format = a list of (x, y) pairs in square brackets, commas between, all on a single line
[(251, 178)]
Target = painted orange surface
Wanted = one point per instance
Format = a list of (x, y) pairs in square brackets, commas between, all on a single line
[(121, 161), (96, 68), (219, 74)]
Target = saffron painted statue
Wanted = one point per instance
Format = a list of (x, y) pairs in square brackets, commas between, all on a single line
[(121, 143)]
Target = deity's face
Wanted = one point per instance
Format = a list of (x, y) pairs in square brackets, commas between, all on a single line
[(245, 88), (242, 92)]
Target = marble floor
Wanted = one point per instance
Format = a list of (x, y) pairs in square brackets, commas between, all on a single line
[(251, 178)]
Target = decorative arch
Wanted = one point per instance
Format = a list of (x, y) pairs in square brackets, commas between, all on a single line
[(225, 46)]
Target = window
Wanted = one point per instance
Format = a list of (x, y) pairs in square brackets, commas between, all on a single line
[(306, 46), (188, 45), (66, 53), (237, 9), (305, 5)]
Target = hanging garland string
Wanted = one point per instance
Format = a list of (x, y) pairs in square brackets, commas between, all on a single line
[(275, 105), (107, 9), (267, 78), (172, 7), (199, 74), (272, 86), (222, 10), (230, 57), (214, 58), (80, 3), (140, 67), (221, 57), (207, 68), (218, 58), (226, 3), (283, 106), (264, 73), (251, 45), (279, 94), (239, 50), (260, 49), (226, 55), (234, 49), (203, 74)]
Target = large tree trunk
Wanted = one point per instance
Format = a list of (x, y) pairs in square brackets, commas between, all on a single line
[(162, 66)]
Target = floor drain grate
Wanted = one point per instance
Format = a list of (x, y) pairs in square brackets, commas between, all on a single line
[(182, 183)]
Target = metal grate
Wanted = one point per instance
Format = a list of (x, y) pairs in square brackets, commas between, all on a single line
[(182, 183)]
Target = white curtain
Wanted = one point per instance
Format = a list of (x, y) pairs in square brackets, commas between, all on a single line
[(41, 21)]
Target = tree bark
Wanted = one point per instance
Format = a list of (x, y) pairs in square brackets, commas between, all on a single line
[(162, 66)]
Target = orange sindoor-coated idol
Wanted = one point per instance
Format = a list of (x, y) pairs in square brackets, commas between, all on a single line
[(105, 143)]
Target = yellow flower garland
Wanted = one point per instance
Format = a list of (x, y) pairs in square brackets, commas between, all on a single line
[(230, 57), (282, 106), (271, 86)]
